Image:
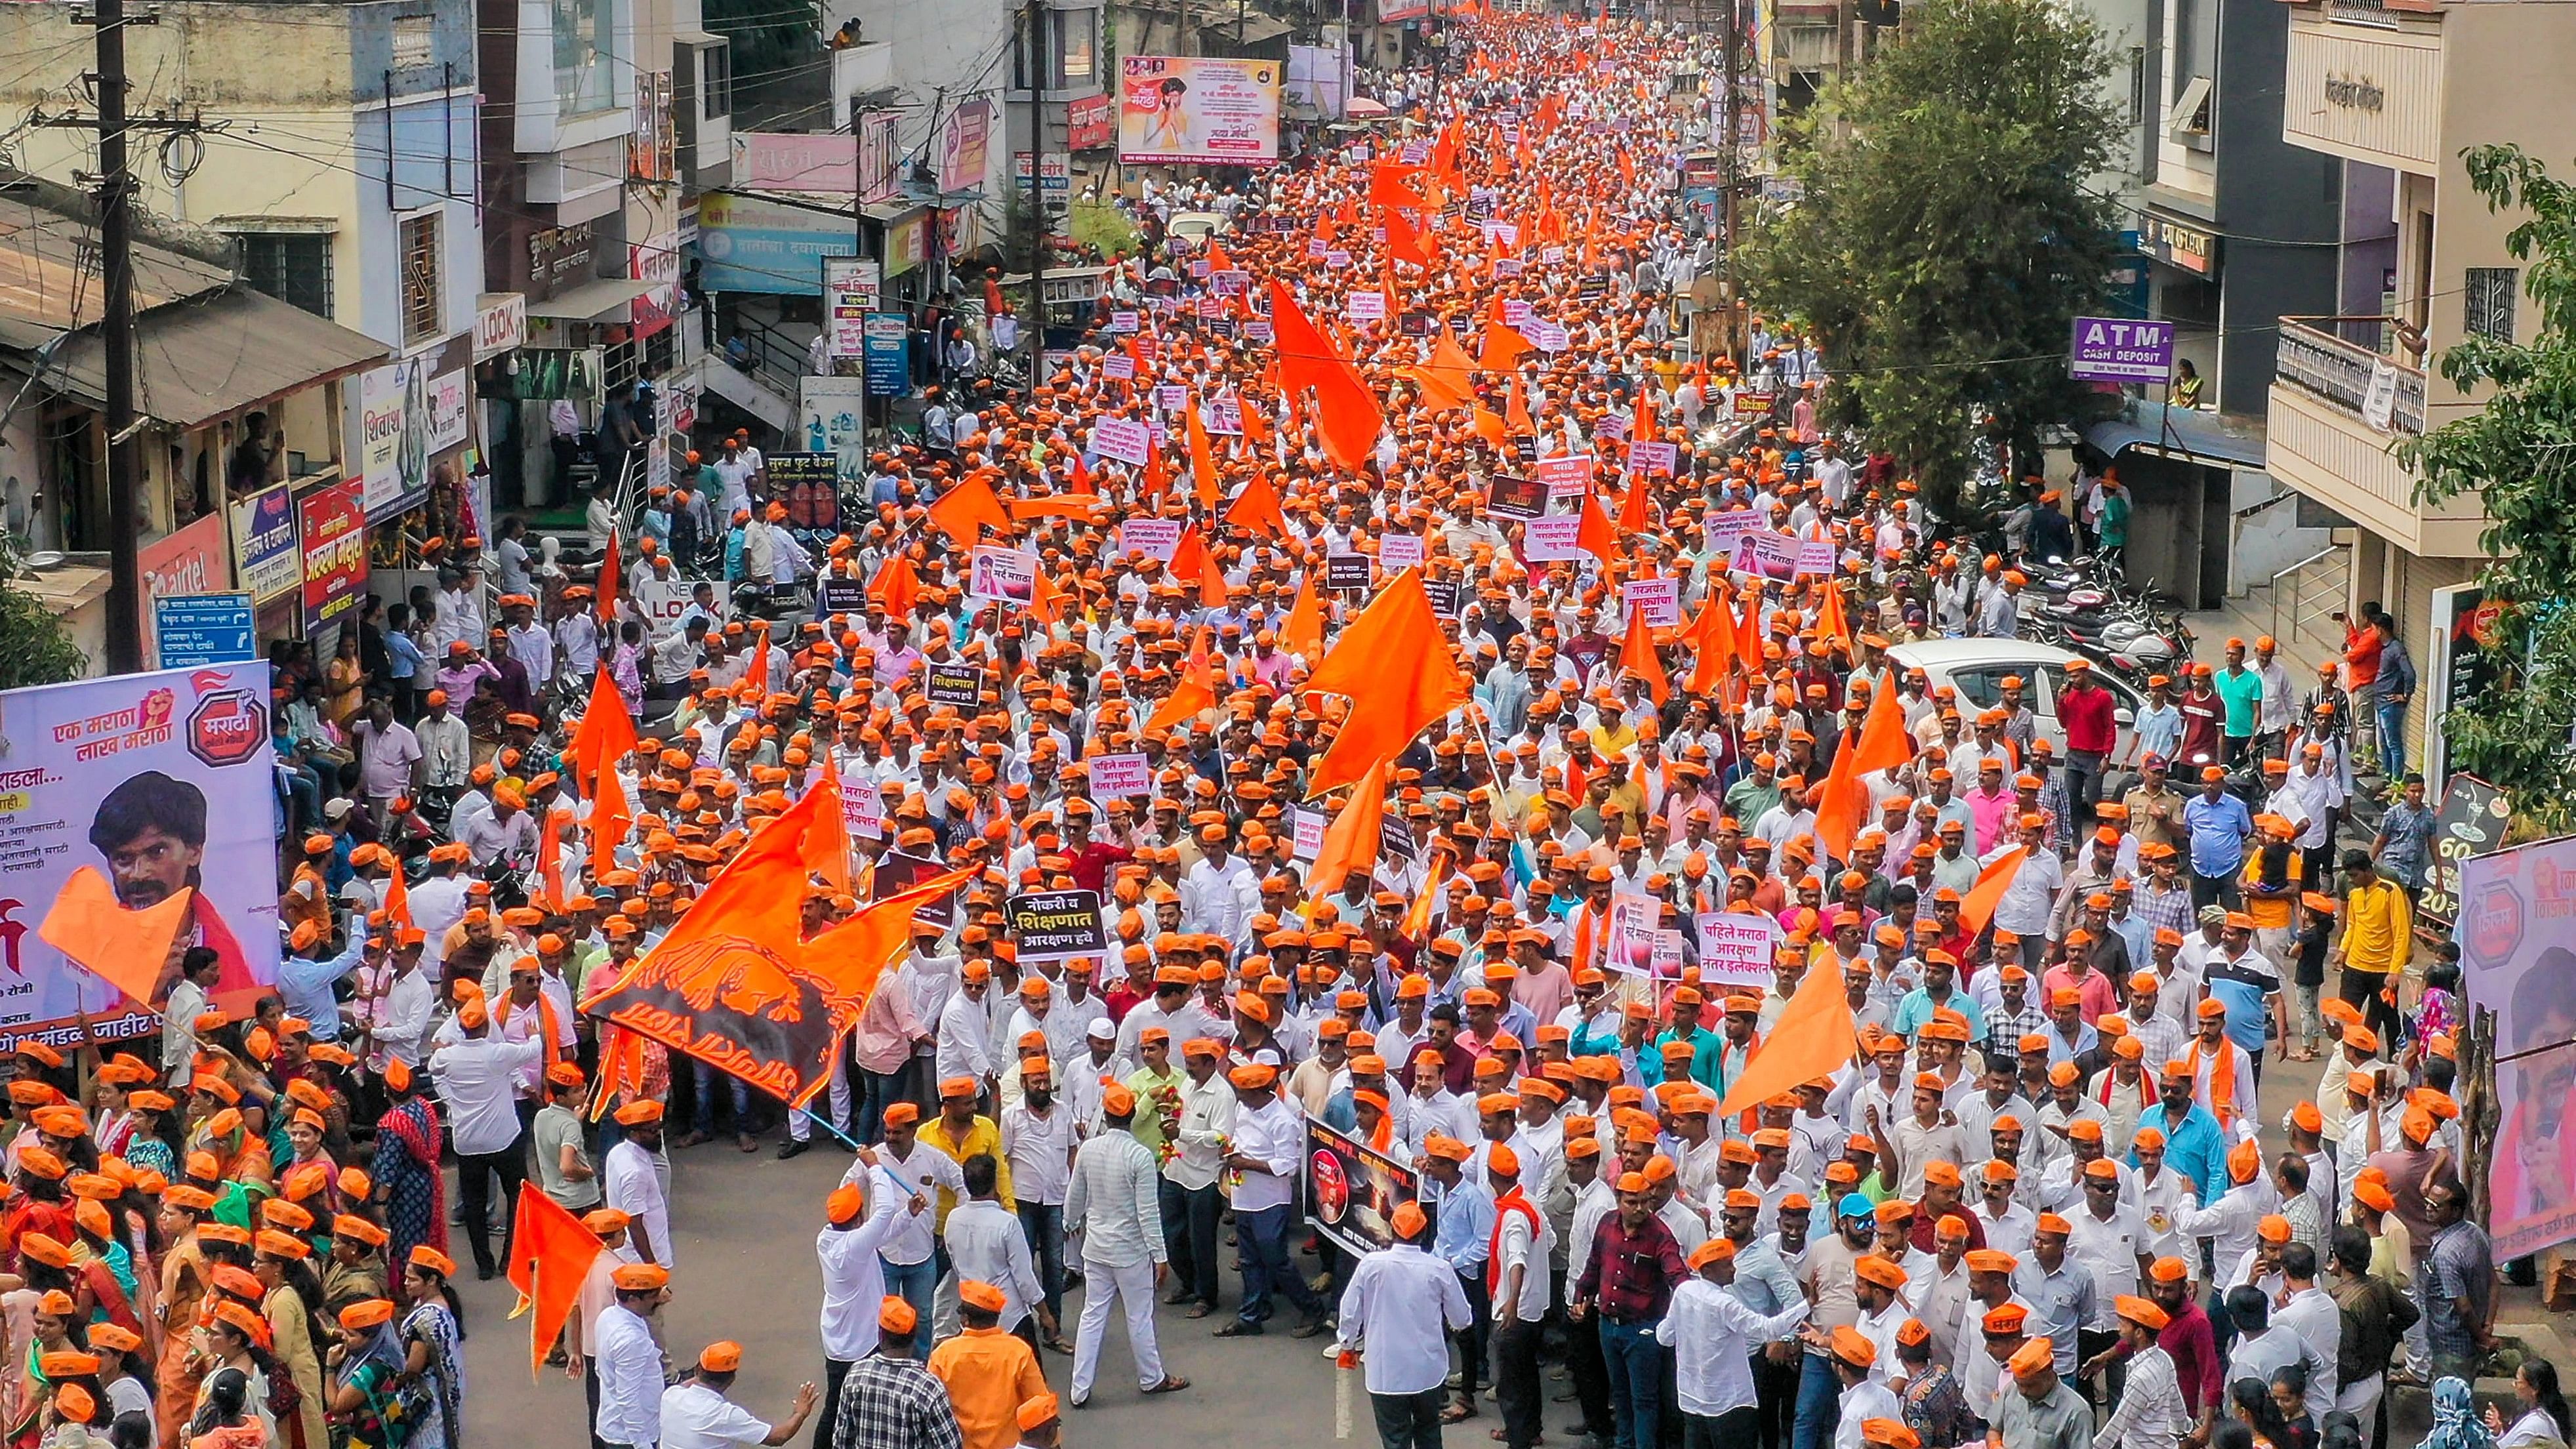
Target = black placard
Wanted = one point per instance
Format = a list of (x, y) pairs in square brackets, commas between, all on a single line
[(1443, 594), (1415, 324), (2470, 823), (1349, 573), (959, 684), (1395, 840), (897, 871), (1052, 925), (1516, 497), (845, 596), (1527, 448), (1595, 284)]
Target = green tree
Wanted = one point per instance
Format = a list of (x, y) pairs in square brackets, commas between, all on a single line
[(33, 649), (2518, 453), (1948, 231)]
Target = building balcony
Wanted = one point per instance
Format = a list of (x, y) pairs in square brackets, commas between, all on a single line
[(2339, 408)]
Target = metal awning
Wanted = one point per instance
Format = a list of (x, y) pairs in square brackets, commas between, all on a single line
[(207, 358), (2188, 434), (593, 301)]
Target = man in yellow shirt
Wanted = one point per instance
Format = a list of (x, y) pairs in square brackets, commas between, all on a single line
[(2378, 940), (989, 1373), (959, 1132)]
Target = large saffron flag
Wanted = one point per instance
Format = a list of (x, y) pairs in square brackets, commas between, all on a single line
[(1992, 882), (1196, 690), (127, 949), (1351, 841), (968, 507), (1844, 800), (1394, 665), (1813, 1037), (852, 955), (1637, 656), (1348, 416)]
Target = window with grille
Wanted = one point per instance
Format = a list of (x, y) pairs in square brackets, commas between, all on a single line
[(293, 267), (2489, 303), (421, 302)]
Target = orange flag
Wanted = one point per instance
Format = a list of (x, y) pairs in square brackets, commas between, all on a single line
[(1713, 640), (610, 816), (1748, 632), (896, 585), (1844, 801), (608, 582), (1516, 413), (853, 954), (1348, 416), (827, 840), (1403, 241), (605, 735), (127, 949), (1196, 690), (1191, 564), (1633, 514), (1593, 535), (1046, 601), (1202, 460), (1395, 667), (1256, 423), (1417, 917), (1077, 506), (1157, 478), (1637, 656), (1503, 347), (1390, 184), (1992, 882), (968, 507), (1831, 626), (1351, 841), (1490, 428), (1256, 509), (1814, 1036), (1303, 634), (550, 863), (550, 1257), (1448, 378), (398, 900)]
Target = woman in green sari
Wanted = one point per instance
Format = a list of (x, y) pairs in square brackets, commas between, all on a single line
[(367, 1406)]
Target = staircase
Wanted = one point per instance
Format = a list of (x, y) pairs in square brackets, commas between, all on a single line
[(768, 382), (2303, 599)]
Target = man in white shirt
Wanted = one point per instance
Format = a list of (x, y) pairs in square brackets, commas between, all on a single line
[(1398, 1312), (966, 1029), (1192, 1201), (630, 1362), (1038, 1137), (1268, 1145), (631, 1182), (478, 1080), (2149, 1412), (1220, 893), (906, 1165), (986, 1245), (1519, 1275), (853, 1282), (697, 1415), (1112, 1203), (1713, 1336)]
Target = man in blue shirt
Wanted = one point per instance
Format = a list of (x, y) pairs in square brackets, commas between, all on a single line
[(2218, 824), (2249, 985), (2194, 1146), (304, 977)]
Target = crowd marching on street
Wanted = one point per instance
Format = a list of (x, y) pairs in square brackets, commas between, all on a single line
[(1966, 1146)]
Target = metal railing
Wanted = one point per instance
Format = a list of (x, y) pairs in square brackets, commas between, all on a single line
[(2333, 358), (2312, 588), (776, 358)]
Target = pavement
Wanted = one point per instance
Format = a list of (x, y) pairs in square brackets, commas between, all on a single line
[(745, 1225)]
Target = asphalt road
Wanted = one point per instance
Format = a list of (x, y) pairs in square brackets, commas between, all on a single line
[(745, 1226)]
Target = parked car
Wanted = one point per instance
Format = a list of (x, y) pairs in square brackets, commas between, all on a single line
[(1977, 668)]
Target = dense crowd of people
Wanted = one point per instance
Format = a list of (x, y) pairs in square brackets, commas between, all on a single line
[(1964, 1145)]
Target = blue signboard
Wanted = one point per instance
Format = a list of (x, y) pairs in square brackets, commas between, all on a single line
[(888, 339), (191, 630)]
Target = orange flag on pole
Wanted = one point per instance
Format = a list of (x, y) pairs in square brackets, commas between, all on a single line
[(1845, 799), (1992, 882), (605, 735), (610, 816), (855, 953), (1351, 841), (1196, 690), (1202, 460), (1637, 656), (1502, 347), (127, 949), (608, 582), (1831, 625), (1593, 535), (1191, 563), (1303, 634), (896, 585), (1348, 415), (968, 507), (1713, 641), (398, 897), (1394, 665), (550, 1258), (827, 839), (1814, 1036), (1256, 509)]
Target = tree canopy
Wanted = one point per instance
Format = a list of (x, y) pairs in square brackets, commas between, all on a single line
[(1950, 229)]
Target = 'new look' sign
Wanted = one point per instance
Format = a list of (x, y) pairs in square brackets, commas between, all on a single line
[(2122, 349)]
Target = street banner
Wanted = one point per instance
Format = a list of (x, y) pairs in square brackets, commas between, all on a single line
[(2517, 923), (1353, 1190), (1177, 110), (266, 554), (136, 821), (1055, 925)]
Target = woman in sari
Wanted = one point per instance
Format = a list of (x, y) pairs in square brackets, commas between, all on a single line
[(74, 1376), (48, 1265), (124, 1371), (184, 1282), (293, 1292), (366, 1374), (432, 1356), (406, 1167), (110, 1098), (146, 1148), (236, 1342)]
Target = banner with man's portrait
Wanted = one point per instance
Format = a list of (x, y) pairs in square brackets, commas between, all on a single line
[(2518, 959), (138, 823)]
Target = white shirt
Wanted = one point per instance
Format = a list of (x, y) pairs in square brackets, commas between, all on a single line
[(853, 1280), (1868, 1399), (965, 1038), (695, 1416), (1712, 1335), (1529, 1247), (2110, 1248), (1400, 1307), (478, 1080), (926, 1171), (1114, 1202), (630, 1379), (986, 1246), (2312, 1314), (1040, 1150), (628, 1183), (1274, 1135), (2150, 1413)]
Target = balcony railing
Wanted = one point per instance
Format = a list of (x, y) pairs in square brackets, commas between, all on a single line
[(2334, 357)]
